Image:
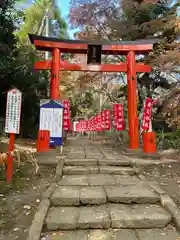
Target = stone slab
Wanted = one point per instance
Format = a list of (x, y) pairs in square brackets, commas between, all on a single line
[(125, 234), (76, 156), (113, 162), (100, 235), (92, 195), (62, 218), (138, 216), (116, 170), (158, 234), (67, 235), (131, 194), (94, 217), (127, 180), (74, 180), (73, 170), (96, 156), (101, 180), (66, 196), (81, 162)]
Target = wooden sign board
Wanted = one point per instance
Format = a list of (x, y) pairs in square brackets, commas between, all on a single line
[(94, 54), (13, 111)]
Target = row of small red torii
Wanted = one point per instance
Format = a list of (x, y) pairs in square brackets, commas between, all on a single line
[(102, 120)]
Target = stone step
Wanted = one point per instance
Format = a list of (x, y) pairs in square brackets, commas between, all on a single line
[(107, 216), (117, 170), (80, 170), (99, 180), (76, 195), (83, 170), (113, 234), (81, 162), (114, 162), (95, 162)]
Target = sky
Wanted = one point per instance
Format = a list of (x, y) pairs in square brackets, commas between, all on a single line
[(64, 6)]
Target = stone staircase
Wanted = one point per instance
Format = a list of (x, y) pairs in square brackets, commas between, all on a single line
[(100, 197)]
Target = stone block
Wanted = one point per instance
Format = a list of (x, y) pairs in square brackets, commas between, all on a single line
[(131, 194), (62, 218), (138, 216), (67, 235), (125, 234), (81, 162), (158, 234), (92, 195), (74, 180), (94, 217), (127, 180), (101, 180), (76, 156), (66, 196), (113, 162), (116, 170), (79, 170), (95, 156), (100, 235)]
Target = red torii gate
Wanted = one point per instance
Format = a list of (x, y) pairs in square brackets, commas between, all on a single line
[(129, 48)]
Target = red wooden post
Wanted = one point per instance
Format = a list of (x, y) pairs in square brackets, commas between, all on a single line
[(132, 101), (10, 158), (55, 74)]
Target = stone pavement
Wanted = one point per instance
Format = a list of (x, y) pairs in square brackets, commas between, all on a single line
[(101, 197)]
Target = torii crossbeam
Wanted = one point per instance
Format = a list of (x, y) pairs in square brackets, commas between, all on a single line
[(129, 48)]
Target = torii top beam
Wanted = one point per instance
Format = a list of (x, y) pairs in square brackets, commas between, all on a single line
[(80, 47)]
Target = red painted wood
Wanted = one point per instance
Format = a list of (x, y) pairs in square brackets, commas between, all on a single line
[(82, 48), (132, 102), (55, 74), (64, 47), (65, 66), (10, 158), (126, 48)]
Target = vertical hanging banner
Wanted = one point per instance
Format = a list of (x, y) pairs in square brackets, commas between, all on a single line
[(103, 120), (98, 120), (107, 120), (13, 111), (118, 117), (66, 115), (147, 114), (51, 118)]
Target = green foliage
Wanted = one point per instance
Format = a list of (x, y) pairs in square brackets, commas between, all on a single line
[(17, 60), (34, 19), (169, 140), (82, 105)]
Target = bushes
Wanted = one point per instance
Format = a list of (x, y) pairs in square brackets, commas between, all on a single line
[(168, 140)]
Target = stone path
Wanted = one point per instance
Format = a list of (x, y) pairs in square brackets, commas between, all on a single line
[(101, 197)]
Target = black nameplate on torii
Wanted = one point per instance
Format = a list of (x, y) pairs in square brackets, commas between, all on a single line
[(94, 54)]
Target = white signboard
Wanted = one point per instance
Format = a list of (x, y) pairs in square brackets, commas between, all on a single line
[(13, 111), (51, 119), (74, 126)]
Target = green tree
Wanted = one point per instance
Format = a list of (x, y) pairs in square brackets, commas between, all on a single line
[(35, 19)]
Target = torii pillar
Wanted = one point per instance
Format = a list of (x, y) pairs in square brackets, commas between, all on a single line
[(55, 74)]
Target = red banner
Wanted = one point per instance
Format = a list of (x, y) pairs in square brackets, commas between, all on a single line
[(107, 120), (118, 117), (147, 114), (66, 115)]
